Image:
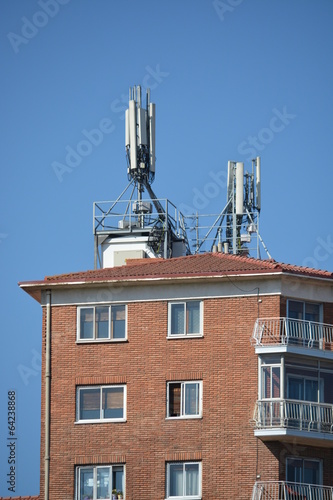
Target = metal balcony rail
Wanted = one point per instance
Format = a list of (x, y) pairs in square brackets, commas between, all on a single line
[(292, 414), (287, 331), (285, 490)]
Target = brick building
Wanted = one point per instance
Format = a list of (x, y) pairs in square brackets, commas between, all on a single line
[(199, 377)]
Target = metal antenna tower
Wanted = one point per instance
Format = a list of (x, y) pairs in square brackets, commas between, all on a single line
[(237, 225)]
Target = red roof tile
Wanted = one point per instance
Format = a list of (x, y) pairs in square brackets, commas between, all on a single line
[(201, 265), (20, 498)]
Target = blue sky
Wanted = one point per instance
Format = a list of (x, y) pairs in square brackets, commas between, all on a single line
[(231, 79)]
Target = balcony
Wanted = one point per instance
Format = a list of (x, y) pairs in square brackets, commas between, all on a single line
[(292, 335), (306, 421), (282, 490)]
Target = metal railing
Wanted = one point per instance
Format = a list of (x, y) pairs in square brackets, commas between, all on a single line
[(287, 331), (293, 414), (206, 230), (132, 214), (285, 490)]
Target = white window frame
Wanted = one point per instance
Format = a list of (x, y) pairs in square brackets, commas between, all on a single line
[(94, 339), (80, 468), (182, 399), (183, 497), (101, 419), (270, 366), (185, 335)]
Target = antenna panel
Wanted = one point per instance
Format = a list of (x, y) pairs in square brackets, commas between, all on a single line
[(230, 180), (152, 136), (258, 183), (142, 127), (132, 134), (239, 188), (127, 130)]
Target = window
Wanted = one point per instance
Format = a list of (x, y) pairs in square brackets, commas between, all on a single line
[(302, 470), (94, 483), (185, 318), (183, 480), (102, 323), (184, 399), (308, 311), (305, 388), (270, 381), (101, 403)]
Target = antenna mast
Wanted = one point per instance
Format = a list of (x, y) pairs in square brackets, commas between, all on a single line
[(138, 227)]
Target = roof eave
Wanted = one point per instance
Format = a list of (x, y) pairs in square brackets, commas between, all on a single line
[(34, 288)]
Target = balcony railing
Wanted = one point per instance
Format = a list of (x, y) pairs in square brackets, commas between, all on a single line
[(282, 490), (293, 332), (294, 414)]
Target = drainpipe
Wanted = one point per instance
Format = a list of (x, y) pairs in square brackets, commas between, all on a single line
[(47, 393)]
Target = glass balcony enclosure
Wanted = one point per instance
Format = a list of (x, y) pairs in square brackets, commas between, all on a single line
[(295, 397), (302, 331)]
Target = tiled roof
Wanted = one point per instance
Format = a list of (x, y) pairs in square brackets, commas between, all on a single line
[(201, 265), (20, 498)]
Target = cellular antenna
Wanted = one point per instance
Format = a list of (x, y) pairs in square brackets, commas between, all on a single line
[(140, 137), (138, 227), (236, 229)]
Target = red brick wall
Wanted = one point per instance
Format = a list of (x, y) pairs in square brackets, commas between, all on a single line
[(223, 439)]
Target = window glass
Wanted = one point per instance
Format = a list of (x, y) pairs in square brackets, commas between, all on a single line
[(96, 403), (295, 388), (118, 477), (174, 399), (103, 482), (113, 402), (86, 484), (94, 322), (301, 470), (177, 319), (184, 399), (304, 389), (308, 311), (102, 322), (312, 312), (295, 309), (275, 381), (183, 480), (311, 472), (266, 382), (191, 399), (310, 390), (185, 318), (270, 382), (89, 404), (294, 470), (176, 480), (118, 322), (192, 479), (193, 317), (96, 483), (87, 323)]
